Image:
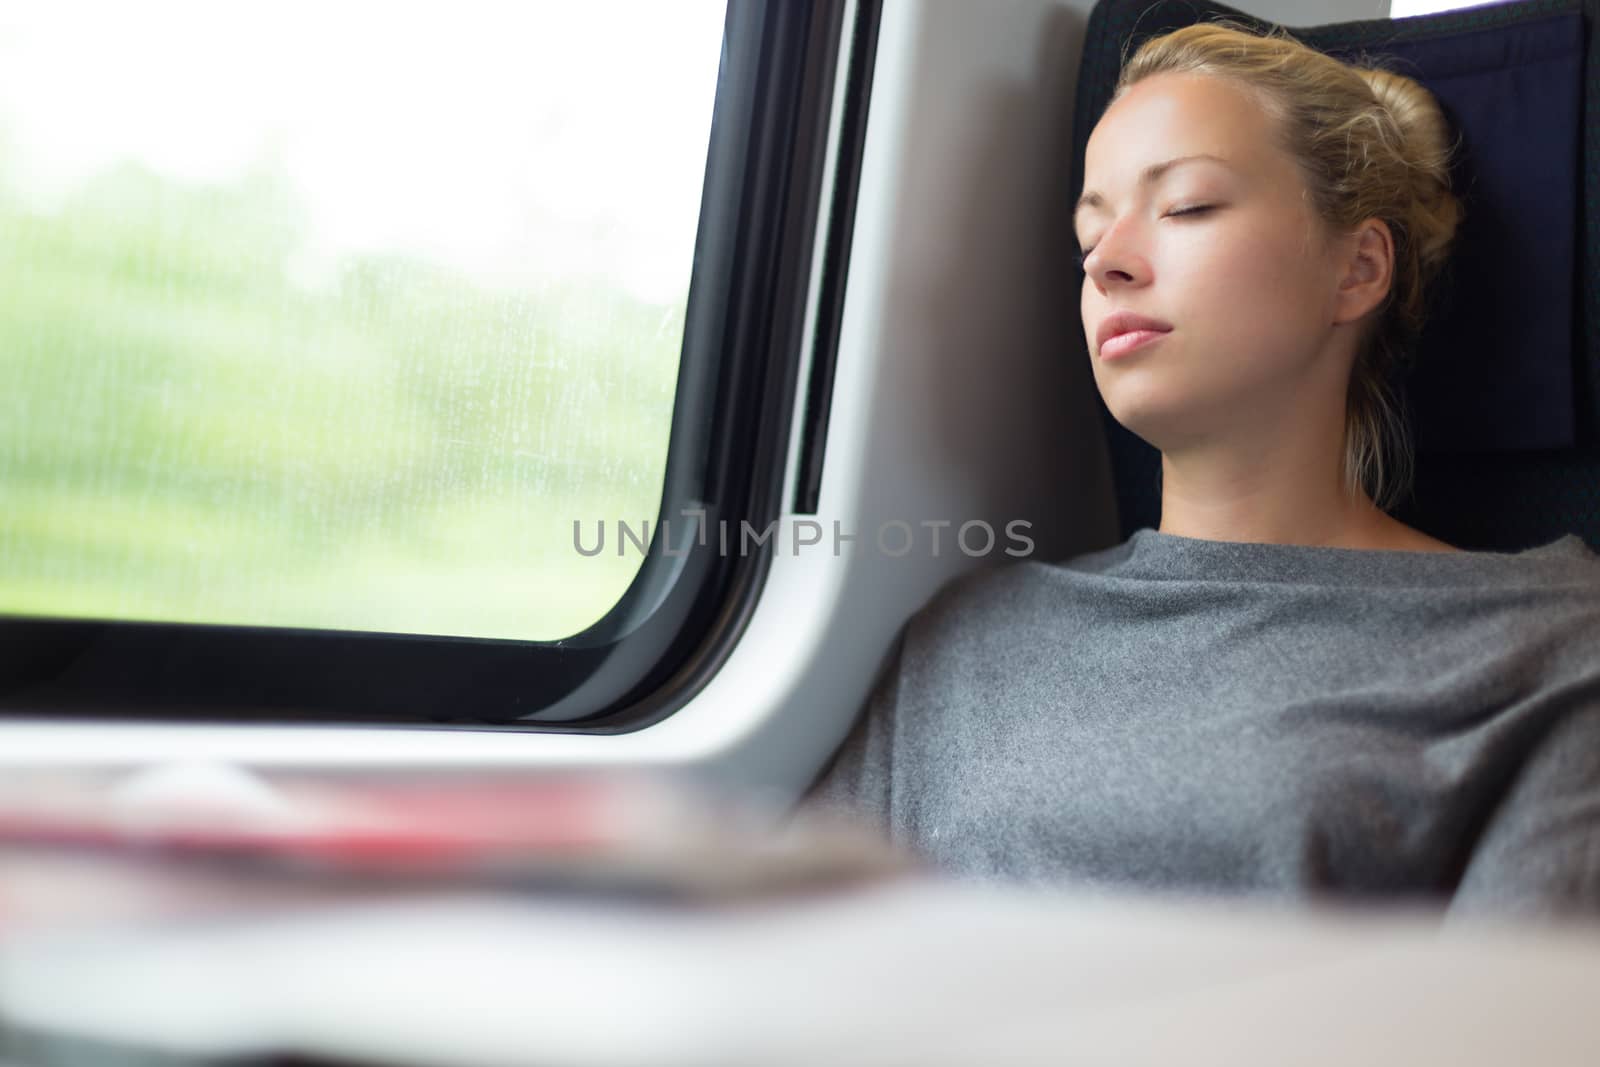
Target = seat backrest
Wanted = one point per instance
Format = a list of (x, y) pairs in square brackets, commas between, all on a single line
[(1504, 393)]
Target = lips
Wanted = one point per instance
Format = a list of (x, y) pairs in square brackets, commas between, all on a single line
[(1123, 343), (1122, 322)]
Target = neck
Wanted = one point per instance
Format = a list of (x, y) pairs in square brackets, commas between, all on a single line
[(1290, 493)]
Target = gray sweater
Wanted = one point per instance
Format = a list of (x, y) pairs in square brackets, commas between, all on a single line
[(1174, 713)]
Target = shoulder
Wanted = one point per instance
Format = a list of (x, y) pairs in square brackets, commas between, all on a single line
[(987, 594), (999, 602)]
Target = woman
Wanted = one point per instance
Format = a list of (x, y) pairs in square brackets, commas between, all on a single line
[(1282, 689)]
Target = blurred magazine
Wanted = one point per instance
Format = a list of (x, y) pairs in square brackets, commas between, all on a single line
[(81, 847)]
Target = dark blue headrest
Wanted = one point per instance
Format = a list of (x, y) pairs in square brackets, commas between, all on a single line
[(1497, 361), (1504, 362)]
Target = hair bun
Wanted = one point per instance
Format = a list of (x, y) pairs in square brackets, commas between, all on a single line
[(1427, 148)]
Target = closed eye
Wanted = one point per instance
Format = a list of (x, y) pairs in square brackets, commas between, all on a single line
[(1199, 209)]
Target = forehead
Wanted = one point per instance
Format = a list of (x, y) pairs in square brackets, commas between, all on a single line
[(1171, 115)]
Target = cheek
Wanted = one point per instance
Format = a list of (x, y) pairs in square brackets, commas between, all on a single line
[(1253, 292)]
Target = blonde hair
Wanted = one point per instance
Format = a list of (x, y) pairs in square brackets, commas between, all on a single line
[(1370, 143)]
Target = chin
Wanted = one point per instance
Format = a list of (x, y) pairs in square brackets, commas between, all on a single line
[(1163, 425), (1142, 407)]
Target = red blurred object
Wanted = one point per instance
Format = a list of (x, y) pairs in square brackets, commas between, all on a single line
[(80, 847)]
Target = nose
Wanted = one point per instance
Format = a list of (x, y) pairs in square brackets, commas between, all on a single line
[(1117, 257)]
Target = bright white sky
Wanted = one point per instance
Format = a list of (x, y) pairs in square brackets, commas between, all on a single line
[(515, 139)]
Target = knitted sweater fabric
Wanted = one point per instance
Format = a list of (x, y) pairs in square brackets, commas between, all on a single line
[(1219, 717)]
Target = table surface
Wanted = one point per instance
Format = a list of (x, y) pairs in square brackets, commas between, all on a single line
[(916, 971)]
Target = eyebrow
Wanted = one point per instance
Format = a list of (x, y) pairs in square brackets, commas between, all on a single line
[(1150, 174)]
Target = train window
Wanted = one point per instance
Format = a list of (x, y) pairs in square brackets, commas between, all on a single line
[(342, 329), (376, 346)]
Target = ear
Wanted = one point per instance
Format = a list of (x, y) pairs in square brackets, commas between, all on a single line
[(1367, 270)]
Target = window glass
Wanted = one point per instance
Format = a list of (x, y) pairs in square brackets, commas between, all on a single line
[(339, 315), (1404, 9)]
